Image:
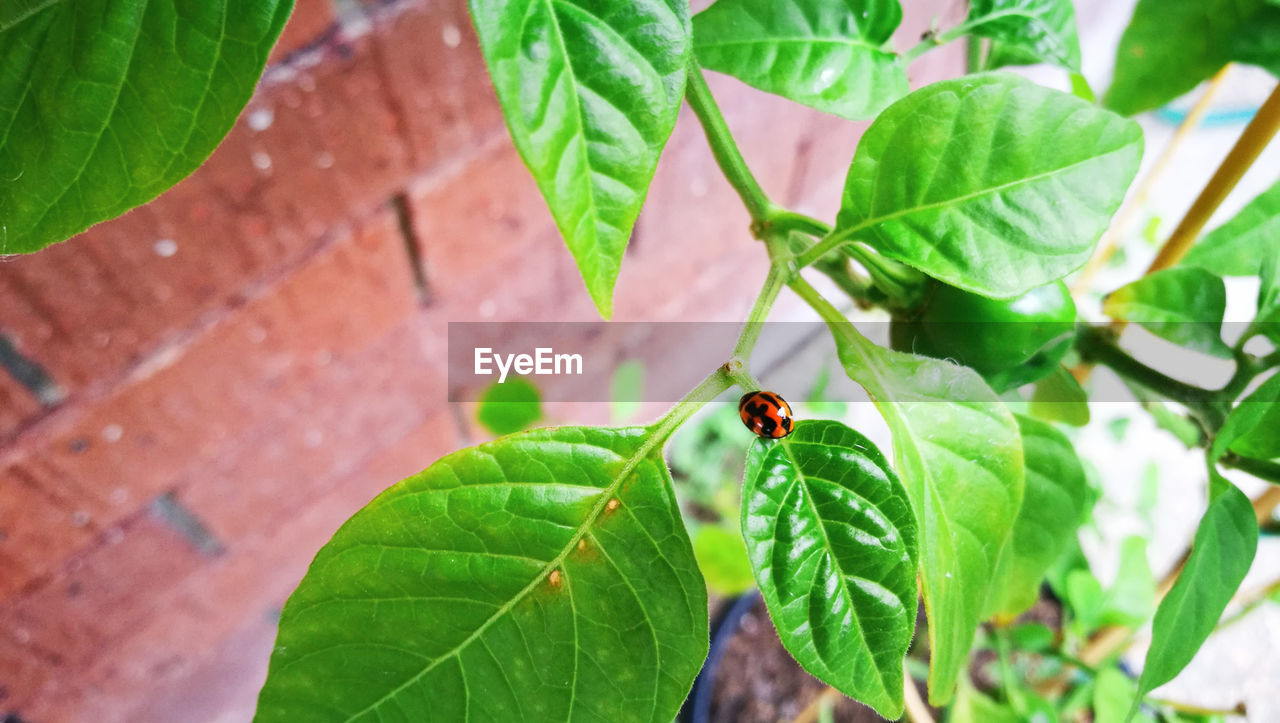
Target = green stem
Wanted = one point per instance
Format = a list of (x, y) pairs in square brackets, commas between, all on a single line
[(725, 149), (710, 388), (773, 284), (1262, 469), (786, 221), (1008, 680), (1098, 346), (936, 40), (828, 243)]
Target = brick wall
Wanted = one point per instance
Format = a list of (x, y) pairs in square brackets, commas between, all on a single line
[(195, 395)]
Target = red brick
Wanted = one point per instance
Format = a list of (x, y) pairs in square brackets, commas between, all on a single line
[(436, 78), (315, 148), (37, 530), (17, 405), (490, 246), (162, 665), (187, 405), (60, 629), (366, 402), (310, 20)]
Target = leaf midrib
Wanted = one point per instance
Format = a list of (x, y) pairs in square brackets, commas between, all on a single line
[(641, 453), (803, 479), (990, 190)]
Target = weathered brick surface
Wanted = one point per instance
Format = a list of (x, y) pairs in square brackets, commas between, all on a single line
[(53, 633), (316, 147), (190, 405), (38, 530), (436, 79), (17, 405), (310, 21), (210, 613)]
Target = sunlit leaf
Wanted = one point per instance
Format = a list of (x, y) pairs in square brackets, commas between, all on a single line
[(832, 544), (1236, 247), (1027, 31), (1184, 304), (104, 105), (1223, 549), (1052, 509), (958, 451), (1170, 46), (590, 91), (543, 576), (989, 182), (833, 55)]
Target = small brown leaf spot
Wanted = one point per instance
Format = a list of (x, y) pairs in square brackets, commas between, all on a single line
[(554, 578), (582, 544), (612, 504)]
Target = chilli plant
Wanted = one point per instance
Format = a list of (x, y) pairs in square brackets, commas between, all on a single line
[(547, 574)]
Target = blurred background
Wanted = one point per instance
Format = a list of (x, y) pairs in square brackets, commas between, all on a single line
[(195, 395)]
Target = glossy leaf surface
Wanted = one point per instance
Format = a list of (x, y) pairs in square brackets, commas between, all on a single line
[(989, 182), (832, 55), (1170, 46), (1238, 246), (1223, 549), (1052, 508), (1184, 305), (958, 451), (832, 544), (105, 105), (1027, 31), (543, 576), (590, 91)]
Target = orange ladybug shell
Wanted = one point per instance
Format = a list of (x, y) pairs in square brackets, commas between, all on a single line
[(766, 414)]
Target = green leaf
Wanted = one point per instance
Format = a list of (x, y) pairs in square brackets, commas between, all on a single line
[(1113, 696), (1170, 46), (833, 55), (722, 557), (1224, 546), (832, 544), (1184, 305), (542, 576), (972, 706), (958, 451), (105, 105), (1027, 31), (1132, 597), (1052, 509), (1253, 427), (1060, 398), (626, 390), (509, 406), (1267, 320), (989, 182), (590, 91), (1236, 247)]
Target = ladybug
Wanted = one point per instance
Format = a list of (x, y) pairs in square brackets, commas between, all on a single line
[(766, 414)]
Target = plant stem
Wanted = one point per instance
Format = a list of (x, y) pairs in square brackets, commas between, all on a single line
[(773, 284), (1116, 232), (1249, 602), (1255, 137), (706, 391), (725, 149), (1262, 469), (1098, 345)]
